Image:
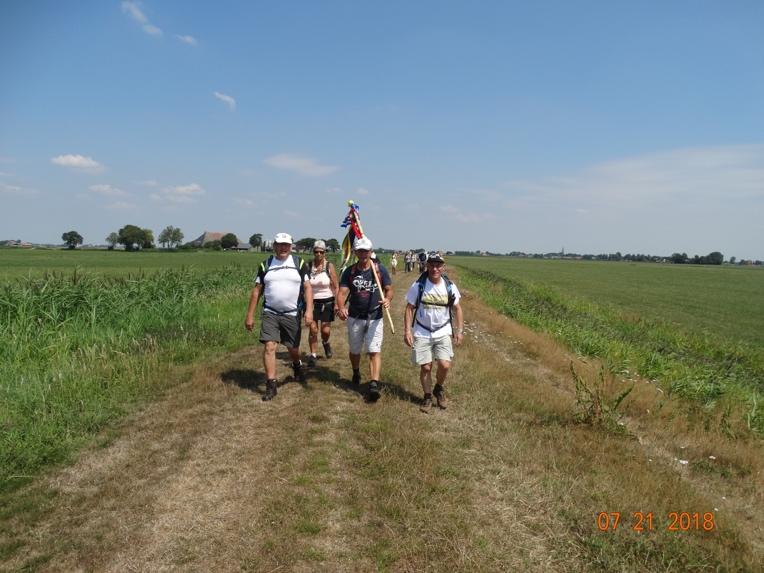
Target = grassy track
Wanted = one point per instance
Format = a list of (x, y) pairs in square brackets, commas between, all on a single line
[(722, 373), (212, 478)]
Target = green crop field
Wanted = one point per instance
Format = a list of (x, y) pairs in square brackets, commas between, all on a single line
[(722, 301), (35, 262), (696, 330)]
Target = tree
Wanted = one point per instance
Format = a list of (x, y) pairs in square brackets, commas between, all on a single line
[(132, 237), (305, 244), (229, 241), (177, 237), (212, 245), (256, 240), (732, 260), (112, 239), (165, 237), (148, 239), (71, 239), (715, 258), (332, 245)]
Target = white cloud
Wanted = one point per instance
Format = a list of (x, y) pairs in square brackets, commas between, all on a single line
[(149, 183), (362, 191), (108, 190), (121, 206), (15, 190), (6, 159), (4, 174), (179, 194), (152, 30), (78, 163), (248, 203), (133, 9), (226, 99), (190, 40), (293, 214), (334, 190), (299, 164), (464, 216), (10, 188)]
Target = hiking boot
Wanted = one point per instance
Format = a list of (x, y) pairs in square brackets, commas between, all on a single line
[(373, 391), (327, 349), (270, 390), (299, 372), (440, 396), (426, 404), (356, 377), (311, 361)]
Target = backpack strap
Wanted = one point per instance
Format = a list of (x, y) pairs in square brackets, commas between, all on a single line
[(451, 299), (301, 268)]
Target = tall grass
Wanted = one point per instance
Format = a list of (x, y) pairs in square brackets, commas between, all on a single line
[(709, 372), (79, 349)]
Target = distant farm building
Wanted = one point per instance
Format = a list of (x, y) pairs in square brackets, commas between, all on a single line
[(207, 237)]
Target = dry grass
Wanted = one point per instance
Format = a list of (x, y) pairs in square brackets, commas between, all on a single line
[(211, 478)]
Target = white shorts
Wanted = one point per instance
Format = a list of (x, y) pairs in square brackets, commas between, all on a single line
[(427, 349), (364, 334)]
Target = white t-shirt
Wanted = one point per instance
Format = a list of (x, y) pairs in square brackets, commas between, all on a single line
[(282, 286), (433, 316)]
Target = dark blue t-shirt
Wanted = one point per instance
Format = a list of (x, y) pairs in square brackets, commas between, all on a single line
[(364, 296)]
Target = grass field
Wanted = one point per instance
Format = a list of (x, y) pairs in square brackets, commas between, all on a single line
[(721, 301), (15, 263), (697, 331)]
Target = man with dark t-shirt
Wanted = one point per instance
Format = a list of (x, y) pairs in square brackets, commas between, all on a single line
[(364, 313)]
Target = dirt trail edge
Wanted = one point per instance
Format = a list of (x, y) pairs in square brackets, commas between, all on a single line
[(213, 479)]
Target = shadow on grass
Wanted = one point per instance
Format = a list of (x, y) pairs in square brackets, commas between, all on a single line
[(328, 375)]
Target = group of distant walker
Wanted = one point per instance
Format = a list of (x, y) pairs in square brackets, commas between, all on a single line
[(293, 290)]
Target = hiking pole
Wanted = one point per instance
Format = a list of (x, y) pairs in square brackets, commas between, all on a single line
[(379, 286)]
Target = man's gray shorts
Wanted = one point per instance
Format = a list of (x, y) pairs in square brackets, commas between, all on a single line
[(426, 350), (280, 328)]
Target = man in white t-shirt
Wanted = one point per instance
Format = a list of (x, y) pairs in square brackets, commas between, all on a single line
[(432, 304), (284, 283)]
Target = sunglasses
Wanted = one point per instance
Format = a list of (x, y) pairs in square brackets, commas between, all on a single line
[(318, 252)]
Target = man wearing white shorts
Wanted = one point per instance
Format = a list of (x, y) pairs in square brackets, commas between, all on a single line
[(432, 303), (359, 286)]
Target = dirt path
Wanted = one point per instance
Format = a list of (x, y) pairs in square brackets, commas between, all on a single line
[(213, 479)]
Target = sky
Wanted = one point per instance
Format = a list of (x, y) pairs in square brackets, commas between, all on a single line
[(588, 126)]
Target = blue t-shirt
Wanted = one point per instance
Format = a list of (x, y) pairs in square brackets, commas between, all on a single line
[(364, 295)]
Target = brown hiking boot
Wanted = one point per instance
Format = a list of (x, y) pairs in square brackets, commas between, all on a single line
[(426, 404), (440, 396), (270, 390)]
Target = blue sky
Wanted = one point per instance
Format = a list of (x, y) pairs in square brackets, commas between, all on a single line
[(594, 126)]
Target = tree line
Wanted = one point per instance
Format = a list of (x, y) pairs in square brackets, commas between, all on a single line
[(134, 238)]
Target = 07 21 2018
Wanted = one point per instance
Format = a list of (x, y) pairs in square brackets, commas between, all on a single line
[(645, 521)]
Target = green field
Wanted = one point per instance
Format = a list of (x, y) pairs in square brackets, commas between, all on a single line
[(722, 301), (697, 331), (16, 263)]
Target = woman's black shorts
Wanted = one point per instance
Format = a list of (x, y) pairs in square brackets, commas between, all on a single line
[(323, 310)]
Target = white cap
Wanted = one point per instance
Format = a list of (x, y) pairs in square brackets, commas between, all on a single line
[(283, 238), (319, 244), (362, 243)]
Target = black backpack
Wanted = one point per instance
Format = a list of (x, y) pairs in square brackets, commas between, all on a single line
[(450, 304), (301, 267)]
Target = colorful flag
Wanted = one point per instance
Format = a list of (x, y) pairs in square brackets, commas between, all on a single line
[(352, 223)]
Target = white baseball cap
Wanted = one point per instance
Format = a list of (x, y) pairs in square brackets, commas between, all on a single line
[(362, 243), (319, 244), (283, 238)]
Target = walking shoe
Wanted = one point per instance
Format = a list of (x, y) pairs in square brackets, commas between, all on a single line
[(356, 377), (270, 390), (426, 404), (440, 396), (299, 372), (311, 360), (327, 349), (373, 391)]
